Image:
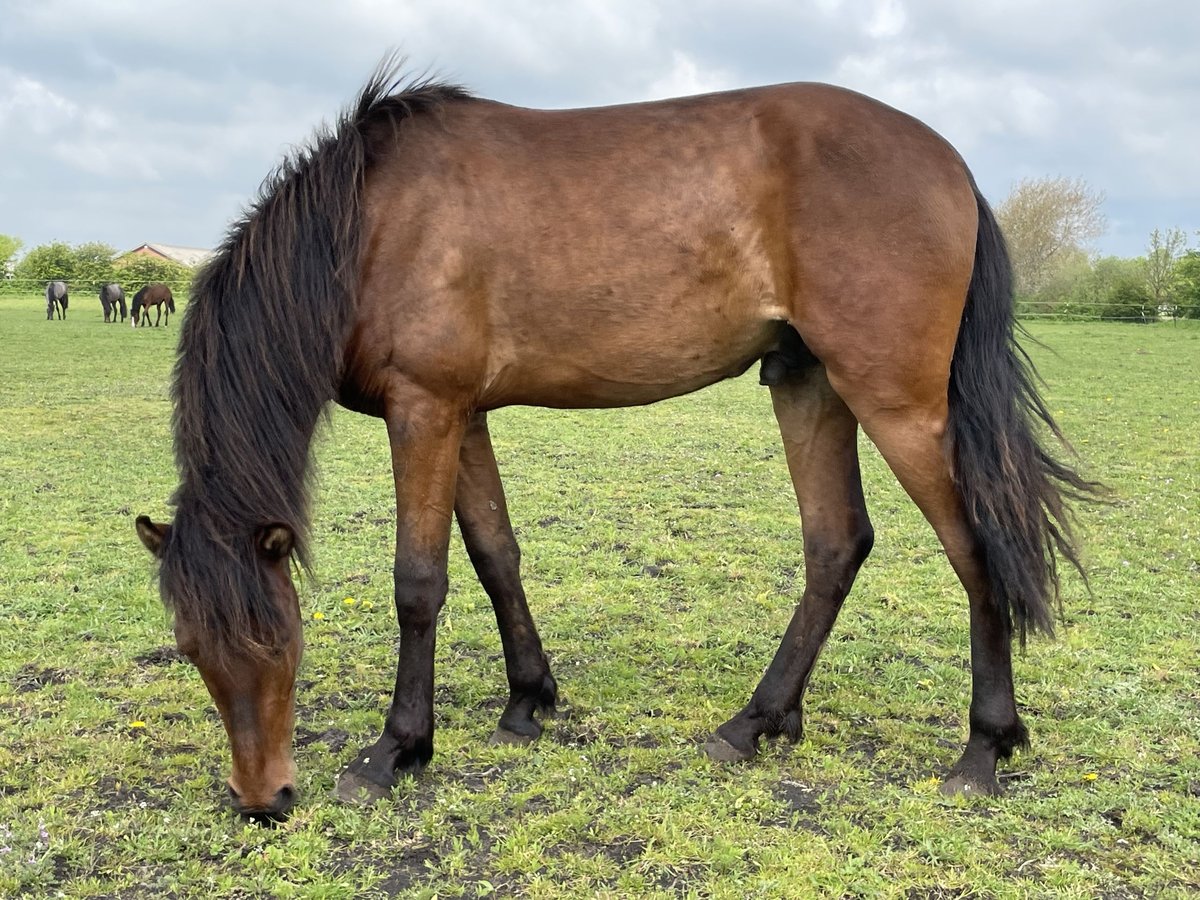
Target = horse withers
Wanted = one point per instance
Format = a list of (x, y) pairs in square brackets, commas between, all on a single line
[(56, 299), (436, 256), (154, 294), (112, 299)]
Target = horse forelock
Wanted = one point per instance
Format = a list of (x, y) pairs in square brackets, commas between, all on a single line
[(260, 355), (211, 577)]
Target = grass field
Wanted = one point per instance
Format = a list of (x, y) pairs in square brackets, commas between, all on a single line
[(661, 554)]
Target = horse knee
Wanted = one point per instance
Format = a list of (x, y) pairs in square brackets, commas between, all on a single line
[(419, 595), (840, 556)]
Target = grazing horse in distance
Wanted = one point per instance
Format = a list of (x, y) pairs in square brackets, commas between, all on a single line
[(112, 298), (435, 256), (56, 299), (154, 294)]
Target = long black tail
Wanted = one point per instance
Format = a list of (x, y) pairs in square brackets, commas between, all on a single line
[(1014, 491)]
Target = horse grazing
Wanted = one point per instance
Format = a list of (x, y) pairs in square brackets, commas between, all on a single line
[(154, 294), (112, 298), (436, 256), (56, 299)]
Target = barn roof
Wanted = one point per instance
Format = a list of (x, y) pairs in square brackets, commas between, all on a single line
[(187, 256)]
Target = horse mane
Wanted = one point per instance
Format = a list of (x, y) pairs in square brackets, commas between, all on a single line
[(260, 356)]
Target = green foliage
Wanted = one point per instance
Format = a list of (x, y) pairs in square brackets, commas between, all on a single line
[(662, 559), (1111, 289), (1188, 285), (1058, 289), (9, 247), (47, 262), (93, 266), (84, 267), (135, 271), (87, 266)]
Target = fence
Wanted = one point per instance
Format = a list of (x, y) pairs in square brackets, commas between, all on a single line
[(14, 287), (1027, 310)]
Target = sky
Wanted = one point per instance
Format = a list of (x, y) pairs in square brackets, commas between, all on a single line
[(128, 123)]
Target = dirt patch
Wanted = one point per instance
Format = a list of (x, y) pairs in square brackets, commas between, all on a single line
[(333, 738), (34, 678), (159, 656), (116, 794)]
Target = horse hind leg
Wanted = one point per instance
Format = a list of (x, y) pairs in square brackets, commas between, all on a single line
[(820, 441), (912, 440), (488, 535)]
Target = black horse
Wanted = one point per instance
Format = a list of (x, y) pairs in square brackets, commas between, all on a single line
[(112, 298), (154, 294), (56, 299)]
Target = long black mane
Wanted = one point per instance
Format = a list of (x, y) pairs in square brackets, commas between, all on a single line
[(260, 354)]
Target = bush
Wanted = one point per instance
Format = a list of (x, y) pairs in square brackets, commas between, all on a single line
[(135, 271), (1187, 296)]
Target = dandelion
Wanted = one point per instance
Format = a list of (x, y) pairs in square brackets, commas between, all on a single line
[(367, 604), (1090, 777), (137, 724), (318, 615), (349, 601)]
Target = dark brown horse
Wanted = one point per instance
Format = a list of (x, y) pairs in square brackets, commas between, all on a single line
[(437, 256), (154, 294)]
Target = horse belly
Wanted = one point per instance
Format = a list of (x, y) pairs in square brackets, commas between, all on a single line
[(629, 352)]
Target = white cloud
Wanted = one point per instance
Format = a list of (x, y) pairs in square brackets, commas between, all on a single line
[(203, 109)]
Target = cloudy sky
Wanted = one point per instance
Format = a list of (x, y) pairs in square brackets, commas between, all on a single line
[(127, 122)]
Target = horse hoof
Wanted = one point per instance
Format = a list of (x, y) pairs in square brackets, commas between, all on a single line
[(503, 737), (720, 750), (962, 786), (358, 791)]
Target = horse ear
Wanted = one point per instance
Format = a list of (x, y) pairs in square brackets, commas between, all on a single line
[(153, 535), (276, 542)]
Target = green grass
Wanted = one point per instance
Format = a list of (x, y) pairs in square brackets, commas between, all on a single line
[(661, 556)]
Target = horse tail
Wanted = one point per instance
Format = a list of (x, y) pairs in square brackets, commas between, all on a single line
[(170, 302), (1015, 493), (121, 302)]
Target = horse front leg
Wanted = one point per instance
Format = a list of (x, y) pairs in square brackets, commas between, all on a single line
[(488, 535), (425, 436)]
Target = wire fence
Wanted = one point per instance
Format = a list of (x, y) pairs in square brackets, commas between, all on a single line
[(17, 287), (1027, 310)]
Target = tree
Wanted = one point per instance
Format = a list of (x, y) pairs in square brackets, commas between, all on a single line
[(93, 265), (9, 246), (1162, 263), (135, 271), (1188, 285), (1047, 221), (1115, 290), (47, 262)]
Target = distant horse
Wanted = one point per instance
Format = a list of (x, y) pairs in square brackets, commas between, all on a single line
[(154, 294), (112, 298), (56, 299), (436, 256)]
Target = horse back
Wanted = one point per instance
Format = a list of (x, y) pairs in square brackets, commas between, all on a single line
[(684, 228)]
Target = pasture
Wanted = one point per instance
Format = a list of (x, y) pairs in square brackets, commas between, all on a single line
[(662, 558)]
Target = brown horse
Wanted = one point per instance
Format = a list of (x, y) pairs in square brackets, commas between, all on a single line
[(437, 256), (154, 294)]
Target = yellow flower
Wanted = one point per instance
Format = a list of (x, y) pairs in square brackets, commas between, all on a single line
[(1090, 776), (367, 604), (349, 601), (138, 724), (318, 615)]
